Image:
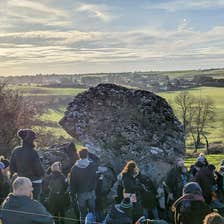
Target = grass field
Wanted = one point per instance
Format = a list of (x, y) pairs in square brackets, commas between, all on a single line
[(55, 113), (45, 91), (216, 129), (213, 159)]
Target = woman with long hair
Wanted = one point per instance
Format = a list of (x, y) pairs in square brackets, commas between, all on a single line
[(132, 187)]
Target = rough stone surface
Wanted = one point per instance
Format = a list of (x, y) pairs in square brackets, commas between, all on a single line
[(65, 153), (119, 124)]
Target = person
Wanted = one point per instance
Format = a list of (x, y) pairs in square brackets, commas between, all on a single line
[(25, 161), (148, 197), (206, 179), (191, 207), (132, 187), (120, 213), (202, 159), (83, 183), (213, 218), (194, 168), (19, 207), (57, 185), (177, 177)]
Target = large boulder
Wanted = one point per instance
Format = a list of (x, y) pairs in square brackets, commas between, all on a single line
[(119, 124), (65, 153)]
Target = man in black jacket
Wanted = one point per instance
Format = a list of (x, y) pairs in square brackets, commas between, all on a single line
[(20, 208), (25, 161), (83, 183)]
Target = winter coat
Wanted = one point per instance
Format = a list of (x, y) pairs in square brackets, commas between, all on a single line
[(37, 212), (205, 178), (190, 209), (175, 182), (57, 186), (131, 184), (117, 216), (25, 162), (83, 176), (148, 196)]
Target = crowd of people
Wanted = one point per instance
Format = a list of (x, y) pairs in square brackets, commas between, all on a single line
[(30, 194)]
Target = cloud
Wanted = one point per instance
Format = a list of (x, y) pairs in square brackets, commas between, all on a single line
[(175, 5), (97, 11), (110, 47), (36, 6), (25, 14)]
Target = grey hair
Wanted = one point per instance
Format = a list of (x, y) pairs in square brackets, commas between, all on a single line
[(20, 182)]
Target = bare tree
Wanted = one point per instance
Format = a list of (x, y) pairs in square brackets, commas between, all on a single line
[(204, 114), (15, 113), (184, 108), (196, 113)]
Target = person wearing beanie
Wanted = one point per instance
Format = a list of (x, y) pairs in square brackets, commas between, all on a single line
[(190, 208), (120, 213), (25, 161)]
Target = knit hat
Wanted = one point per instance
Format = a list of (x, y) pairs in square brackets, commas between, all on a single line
[(201, 159), (192, 188), (5, 162), (2, 166), (126, 203), (26, 134)]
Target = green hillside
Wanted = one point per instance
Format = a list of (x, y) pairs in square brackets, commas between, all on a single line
[(53, 113)]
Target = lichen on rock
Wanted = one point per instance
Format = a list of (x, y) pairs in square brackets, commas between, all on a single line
[(119, 124)]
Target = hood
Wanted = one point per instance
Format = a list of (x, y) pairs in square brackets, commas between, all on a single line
[(14, 202), (187, 198), (82, 163)]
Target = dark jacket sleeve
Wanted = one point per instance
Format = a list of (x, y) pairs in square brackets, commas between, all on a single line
[(73, 182), (171, 180), (37, 166), (12, 163), (44, 216)]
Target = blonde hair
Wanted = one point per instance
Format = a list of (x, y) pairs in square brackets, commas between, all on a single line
[(129, 167), (55, 165)]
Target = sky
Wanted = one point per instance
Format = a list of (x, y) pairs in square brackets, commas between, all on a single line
[(88, 36)]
